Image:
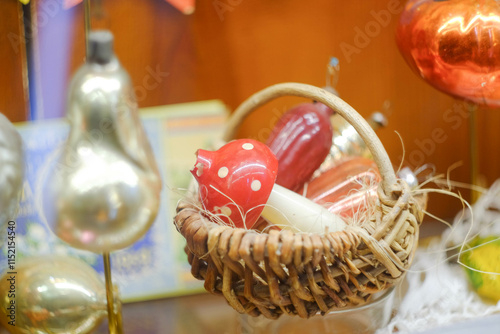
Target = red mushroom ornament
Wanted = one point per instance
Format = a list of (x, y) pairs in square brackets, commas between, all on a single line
[(236, 185)]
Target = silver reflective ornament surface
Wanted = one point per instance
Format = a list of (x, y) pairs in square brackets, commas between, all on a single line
[(346, 141), (58, 295), (409, 176), (104, 193), (11, 174)]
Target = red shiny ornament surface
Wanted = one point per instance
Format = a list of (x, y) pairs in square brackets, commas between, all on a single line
[(301, 141), (236, 181), (455, 46), (345, 188)]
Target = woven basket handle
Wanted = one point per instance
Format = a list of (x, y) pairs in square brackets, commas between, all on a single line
[(334, 102)]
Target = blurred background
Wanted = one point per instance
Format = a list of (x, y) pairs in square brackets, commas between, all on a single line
[(229, 49)]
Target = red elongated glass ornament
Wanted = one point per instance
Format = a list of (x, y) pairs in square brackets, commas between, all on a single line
[(301, 141)]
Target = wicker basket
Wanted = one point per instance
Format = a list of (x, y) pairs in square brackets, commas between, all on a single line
[(305, 274)]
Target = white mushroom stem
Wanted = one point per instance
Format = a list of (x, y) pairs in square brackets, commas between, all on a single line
[(289, 210)]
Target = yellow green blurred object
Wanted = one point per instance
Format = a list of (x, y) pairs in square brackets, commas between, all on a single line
[(483, 255), (24, 2)]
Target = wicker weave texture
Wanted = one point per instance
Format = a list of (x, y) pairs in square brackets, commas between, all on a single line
[(300, 273)]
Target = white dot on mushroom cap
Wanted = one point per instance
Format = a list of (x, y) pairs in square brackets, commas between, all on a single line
[(223, 210), (226, 211), (255, 185), (223, 171), (199, 169), (247, 146)]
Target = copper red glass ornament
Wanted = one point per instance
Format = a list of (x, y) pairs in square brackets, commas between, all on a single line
[(454, 46)]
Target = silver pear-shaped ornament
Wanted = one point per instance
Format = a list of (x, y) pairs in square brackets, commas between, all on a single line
[(104, 191), (11, 175)]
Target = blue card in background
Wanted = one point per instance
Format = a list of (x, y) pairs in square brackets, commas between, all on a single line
[(156, 265)]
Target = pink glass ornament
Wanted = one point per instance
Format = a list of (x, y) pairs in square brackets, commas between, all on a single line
[(346, 188)]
